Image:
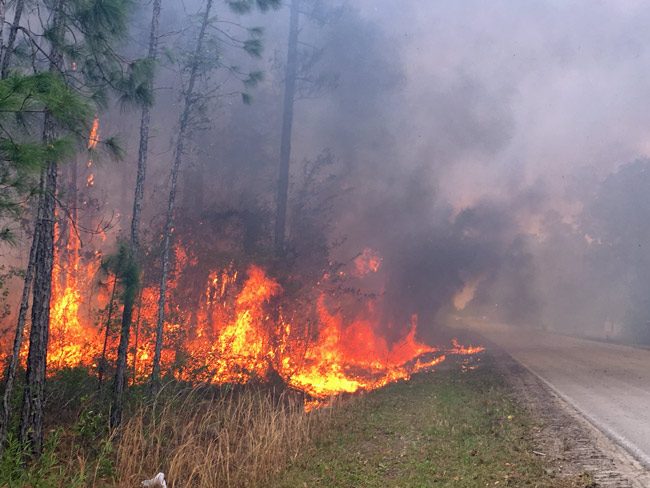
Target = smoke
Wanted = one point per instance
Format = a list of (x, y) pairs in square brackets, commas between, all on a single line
[(495, 159), (480, 148)]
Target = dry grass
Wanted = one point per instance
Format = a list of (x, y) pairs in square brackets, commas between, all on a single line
[(237, 440)]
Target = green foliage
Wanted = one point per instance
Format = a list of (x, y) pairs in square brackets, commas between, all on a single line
[(98, 67), (48, 471), (254, 77), (124, 266), (253, 47), (246, 6), (113, 147), (23, 101), (212, 57), (25, 94), (78, 452), (134, 88)]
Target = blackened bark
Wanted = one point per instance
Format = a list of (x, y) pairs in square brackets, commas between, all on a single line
[(31, 421), (287, 127), (120, 373), (102, 362), (169, 221), (31, 424), (12, 367), (137, 337)]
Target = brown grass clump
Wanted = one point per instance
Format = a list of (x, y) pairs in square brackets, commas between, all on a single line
[(236, 440)]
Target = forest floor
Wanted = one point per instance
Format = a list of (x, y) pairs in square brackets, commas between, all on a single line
[(464, 425), (478, 421)]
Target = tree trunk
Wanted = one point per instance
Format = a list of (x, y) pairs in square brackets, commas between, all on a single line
[(120, 369), (145, 122), (9, 48), (31, 425), (31, 421), (20, 332), (169, 222), (127, 314), (102, 361), (287, 127), (3, 14), (137, 337)]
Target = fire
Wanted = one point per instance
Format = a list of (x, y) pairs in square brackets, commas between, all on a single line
[(369, 261), (234, 331), (74, 340), (93, 138), (465, 351)]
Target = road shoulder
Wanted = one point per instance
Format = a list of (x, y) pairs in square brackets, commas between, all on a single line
[(565, 437), (459, 426)]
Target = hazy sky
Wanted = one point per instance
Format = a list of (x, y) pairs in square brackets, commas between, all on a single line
[(503, 94)]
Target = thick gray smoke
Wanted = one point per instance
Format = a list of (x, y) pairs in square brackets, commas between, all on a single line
[(491, 152)]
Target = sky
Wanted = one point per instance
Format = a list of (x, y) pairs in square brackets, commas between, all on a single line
[(507, 94)]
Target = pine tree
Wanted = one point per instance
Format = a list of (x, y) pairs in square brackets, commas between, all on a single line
[(183, 126), (23, 98), (298, 79), (95, 25), (127, 312), (287, 126), (198, 64)]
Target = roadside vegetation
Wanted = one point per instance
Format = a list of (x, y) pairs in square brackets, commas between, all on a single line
[(228, 436), (457, 427)]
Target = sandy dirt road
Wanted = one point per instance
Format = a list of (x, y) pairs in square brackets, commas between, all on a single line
[(609, 384)]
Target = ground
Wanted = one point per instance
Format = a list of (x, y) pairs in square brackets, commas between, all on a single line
[(461, 426), (591, 397)]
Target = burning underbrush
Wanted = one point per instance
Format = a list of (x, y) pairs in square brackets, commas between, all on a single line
[(234, 325)]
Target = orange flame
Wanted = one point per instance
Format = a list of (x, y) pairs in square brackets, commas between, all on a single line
[(93, 138), (233, 333), (369, 261)]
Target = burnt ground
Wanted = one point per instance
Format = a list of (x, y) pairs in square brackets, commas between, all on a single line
[(569, 442)]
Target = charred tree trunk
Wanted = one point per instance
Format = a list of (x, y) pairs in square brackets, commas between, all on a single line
[(169, 221), (11, 42), (137, 338), (120, 369), (31, 424), (102, 362), (287, 127), (20, 332), (127, 314), (31, 421)]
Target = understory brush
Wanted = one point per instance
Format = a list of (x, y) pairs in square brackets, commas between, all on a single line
[(227, 436), (233, 440)]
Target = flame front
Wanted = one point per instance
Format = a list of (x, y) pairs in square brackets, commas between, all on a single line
[(236, 333)]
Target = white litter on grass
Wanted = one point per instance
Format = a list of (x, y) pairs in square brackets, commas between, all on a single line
[(157, 481)]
